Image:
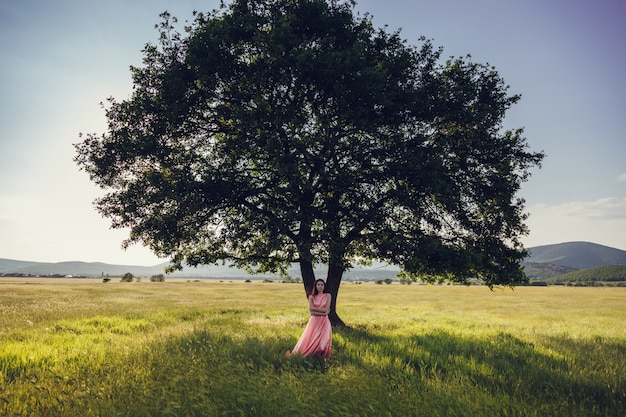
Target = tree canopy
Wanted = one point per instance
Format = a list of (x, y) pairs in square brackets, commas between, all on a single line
[(274, 132)]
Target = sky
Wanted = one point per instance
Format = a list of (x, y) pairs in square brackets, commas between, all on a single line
[(60, 59)]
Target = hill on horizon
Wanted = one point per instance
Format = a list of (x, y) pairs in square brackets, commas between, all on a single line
[(577, 255), (544, 262), (98, 269), (608, 273), (543, 271)]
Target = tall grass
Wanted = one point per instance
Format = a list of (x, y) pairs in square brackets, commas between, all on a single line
[(80, 347)]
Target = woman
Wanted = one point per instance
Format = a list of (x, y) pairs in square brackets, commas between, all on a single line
[(317, 336)]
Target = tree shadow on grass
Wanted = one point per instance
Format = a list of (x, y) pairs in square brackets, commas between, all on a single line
[(438, 373), (553, 379), (206, 373)]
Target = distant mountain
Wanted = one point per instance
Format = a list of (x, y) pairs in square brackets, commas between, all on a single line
[(610, 273), (10, 264), (97, 269), (89, 269), (543, 271), (578, 255), (544, 262), (550, 261)]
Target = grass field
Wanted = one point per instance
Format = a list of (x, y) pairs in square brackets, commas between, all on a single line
[(83, 348)]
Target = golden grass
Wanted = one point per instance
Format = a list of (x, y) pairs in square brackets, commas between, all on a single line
[(216, 348)]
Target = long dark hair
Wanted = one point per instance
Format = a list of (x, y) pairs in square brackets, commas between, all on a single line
[(314, 292)]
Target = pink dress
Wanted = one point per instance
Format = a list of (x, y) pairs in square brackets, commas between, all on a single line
[(317, 336)]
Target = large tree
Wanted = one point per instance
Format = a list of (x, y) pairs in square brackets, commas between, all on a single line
[(279, 132)]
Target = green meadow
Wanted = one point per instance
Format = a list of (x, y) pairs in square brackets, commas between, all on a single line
[(83, 348)]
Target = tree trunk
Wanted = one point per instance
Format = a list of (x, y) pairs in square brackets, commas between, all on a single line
[(308, 276), (333, 281)]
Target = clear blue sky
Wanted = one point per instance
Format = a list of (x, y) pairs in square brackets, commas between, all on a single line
[(61, 58)]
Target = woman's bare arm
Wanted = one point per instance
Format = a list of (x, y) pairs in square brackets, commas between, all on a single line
[(320, 311)]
